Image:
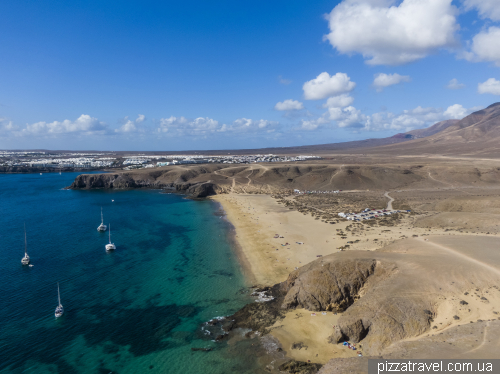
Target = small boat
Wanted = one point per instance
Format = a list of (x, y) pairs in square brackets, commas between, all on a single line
[(26, 259), (110, 246), (40, 173), (59, 309), (102, 227)]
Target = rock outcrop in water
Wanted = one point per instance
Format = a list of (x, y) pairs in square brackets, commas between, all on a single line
[(127, 181)]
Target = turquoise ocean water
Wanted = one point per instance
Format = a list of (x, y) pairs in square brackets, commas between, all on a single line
[(135, 310)]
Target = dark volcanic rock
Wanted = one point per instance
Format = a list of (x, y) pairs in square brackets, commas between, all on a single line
[(355, 331), (330, 286), (150, 180), (358, 286), (221, 337), (202, 190), (299, 367), (107, 181), (258, 316), (201, 349)]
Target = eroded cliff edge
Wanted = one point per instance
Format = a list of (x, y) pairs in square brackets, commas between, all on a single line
[(127, 181), (377, 306), (254, 178)]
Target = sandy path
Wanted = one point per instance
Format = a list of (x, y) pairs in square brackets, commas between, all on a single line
[(463, 256), (216, 172), (485, 333), (389, 204), (331, 178), (446, 183)]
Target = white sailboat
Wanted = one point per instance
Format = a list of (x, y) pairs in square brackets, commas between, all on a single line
[(102, 227), (26, 259), (59, 309), (110, 246)]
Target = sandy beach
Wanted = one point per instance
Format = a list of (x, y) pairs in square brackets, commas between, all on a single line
[(302, 239)]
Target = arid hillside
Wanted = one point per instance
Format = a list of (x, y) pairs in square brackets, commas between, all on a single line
[(347, 173), (476, 135)]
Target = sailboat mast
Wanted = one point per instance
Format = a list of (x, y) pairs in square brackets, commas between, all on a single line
[(58, 294), (25, 242), (110, 233), (102, 220)]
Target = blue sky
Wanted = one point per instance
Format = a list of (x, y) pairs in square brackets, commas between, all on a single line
[(165, 75)]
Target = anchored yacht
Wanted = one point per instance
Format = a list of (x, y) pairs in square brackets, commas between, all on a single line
[(110, 246), (59, 309), (102, 227), (26, 259)]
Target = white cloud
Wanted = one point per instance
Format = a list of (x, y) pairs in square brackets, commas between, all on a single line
[(313, 124), (415, 118), (456, 111), (347, 117), (129, 126), (284, 80), (455, 85), (340, 101), (309, 125), (486, 46), (289, 105), (8, 128), (85, 125), (383, 80), (181, 126), (249, 125), (386, 34), (200, 126), (486, 8), (140, 118), (491, 86), (325, 85)]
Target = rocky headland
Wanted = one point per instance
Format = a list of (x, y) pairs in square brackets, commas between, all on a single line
[(394, 303), (126, 181)]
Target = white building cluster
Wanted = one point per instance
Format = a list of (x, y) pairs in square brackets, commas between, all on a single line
[(61, 163), (370, 214), (300, 192), (230, 159), (85, 160)]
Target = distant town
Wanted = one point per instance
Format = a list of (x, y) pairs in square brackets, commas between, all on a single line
[(18, 161)]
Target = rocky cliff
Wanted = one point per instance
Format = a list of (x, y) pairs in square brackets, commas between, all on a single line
[(331, 286), (359, 285), (126, 181)]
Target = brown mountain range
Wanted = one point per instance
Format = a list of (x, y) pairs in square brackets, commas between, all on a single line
[(478, 134)]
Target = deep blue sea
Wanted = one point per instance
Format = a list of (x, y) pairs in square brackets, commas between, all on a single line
[(135, 310)]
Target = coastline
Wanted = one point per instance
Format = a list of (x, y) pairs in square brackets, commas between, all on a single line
[(263, 265), (257, 218), (235, 244), (256, 249)]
